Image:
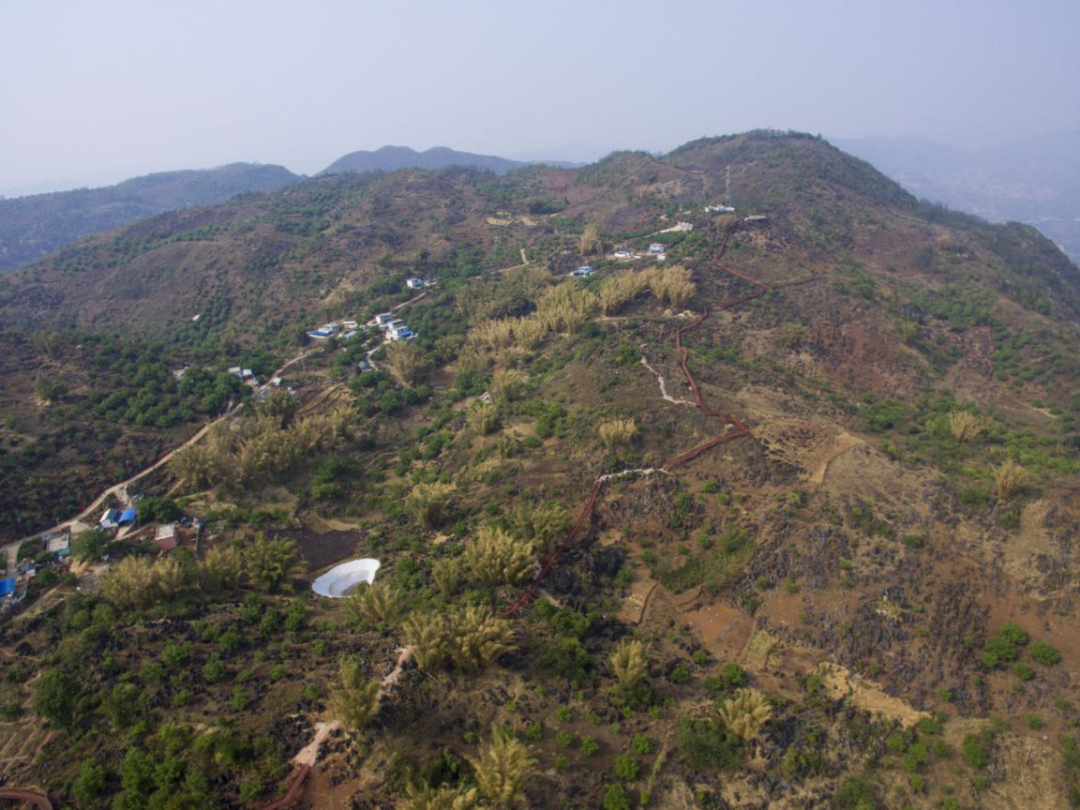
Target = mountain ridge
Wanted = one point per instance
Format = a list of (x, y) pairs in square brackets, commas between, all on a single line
[(31, 227)]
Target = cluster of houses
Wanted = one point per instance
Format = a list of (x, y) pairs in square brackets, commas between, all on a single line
[(658, 250), (393, 327), (55, 546), (346, 330)]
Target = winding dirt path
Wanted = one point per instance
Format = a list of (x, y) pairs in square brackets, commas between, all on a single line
[(39, 800)]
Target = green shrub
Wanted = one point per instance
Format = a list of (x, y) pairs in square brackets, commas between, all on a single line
[(706, 746), (1023, 672), (641, 744), (616, 798), (626, 767), (1014, 634), (857, 793), (1045, 653), (976, 749)]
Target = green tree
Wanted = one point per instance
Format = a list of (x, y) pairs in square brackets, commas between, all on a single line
[(90, 546), (55, 697), (90, 784)]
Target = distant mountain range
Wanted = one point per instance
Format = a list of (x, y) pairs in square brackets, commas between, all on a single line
[(1036, 181), (35, 226), (393, 158)]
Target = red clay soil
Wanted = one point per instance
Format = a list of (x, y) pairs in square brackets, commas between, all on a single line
[(291, 793)]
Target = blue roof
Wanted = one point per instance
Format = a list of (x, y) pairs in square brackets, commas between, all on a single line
[(7, 586), (128, 515)]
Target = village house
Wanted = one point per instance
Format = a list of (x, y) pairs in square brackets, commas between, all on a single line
[(165, 536), (110, 519)]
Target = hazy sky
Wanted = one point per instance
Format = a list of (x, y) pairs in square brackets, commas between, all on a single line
[(93, 92)]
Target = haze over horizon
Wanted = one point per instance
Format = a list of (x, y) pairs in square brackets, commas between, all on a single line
[(102, 92)]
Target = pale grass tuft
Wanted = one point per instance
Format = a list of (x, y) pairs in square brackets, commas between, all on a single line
[(966, 426), (428, 504), (483, 418), (617, 432), (496, 558), (1009, 478), (500, 768), (746, 713), (629, 663)]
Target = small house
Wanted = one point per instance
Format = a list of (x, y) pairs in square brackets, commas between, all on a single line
[(660, 256), (684, 226), (165, 536), (364, 365), (719, 209), (624, 253), (7, 587), (415, 283), (656, 247), (350, 324), (756, 218), (400, 333), (583, 271), (385, 318), (127, 517), (60, 545), (349, 335), (110, 519)]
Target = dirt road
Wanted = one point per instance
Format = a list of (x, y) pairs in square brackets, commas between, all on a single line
[(86, 518)]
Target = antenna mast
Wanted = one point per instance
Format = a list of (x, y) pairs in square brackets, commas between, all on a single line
[(727, 193)]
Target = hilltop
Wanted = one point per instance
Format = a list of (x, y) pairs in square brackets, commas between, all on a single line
[(33, 227), (394, 158), (786, 517)]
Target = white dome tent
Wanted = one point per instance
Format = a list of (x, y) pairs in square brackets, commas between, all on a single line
[(342, 580)]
